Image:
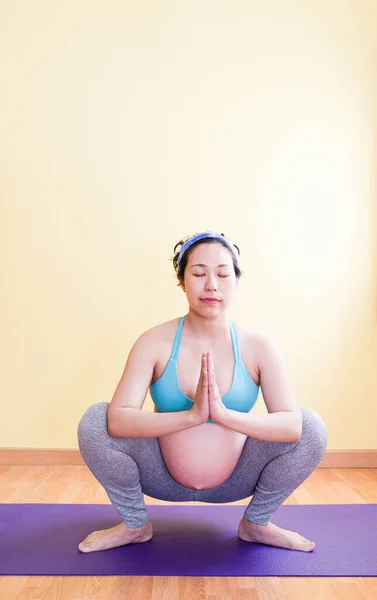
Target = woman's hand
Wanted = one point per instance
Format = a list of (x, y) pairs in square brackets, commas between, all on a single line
[(217, 410), (201, 401)]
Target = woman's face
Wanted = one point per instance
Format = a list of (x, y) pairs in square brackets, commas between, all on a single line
[(209, 280)]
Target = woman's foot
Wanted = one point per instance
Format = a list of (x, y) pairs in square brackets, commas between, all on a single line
[(120, 535), (273, 536)]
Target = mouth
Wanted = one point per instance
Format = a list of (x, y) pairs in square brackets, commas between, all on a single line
[(209, 300)]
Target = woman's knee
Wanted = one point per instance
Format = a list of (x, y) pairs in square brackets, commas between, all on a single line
[(93, 421), (314, 430)]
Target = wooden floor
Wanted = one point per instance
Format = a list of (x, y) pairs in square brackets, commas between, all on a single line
[(77, 485)]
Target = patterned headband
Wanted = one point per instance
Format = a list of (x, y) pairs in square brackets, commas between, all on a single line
[(203, 236)]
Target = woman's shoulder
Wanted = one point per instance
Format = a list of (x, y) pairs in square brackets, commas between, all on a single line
[(157, 342), (161, 332), (248, 334), (252, 342)]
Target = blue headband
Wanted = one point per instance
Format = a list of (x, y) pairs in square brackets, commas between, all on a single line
[(202, 236)]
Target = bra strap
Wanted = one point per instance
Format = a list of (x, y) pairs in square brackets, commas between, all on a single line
[(235, 341), (177, 340)]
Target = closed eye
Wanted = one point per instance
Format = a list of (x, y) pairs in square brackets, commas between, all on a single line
[(203, 275)]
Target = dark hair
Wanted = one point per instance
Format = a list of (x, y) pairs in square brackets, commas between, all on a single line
[(180, 269)]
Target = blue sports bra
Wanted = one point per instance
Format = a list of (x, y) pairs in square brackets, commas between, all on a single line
[(168, 396)]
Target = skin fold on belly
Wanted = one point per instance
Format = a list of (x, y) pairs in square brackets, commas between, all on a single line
[(202, 457)]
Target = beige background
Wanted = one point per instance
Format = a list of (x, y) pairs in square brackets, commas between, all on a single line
[(127, 125)]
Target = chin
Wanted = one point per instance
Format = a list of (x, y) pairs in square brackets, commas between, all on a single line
[(207, 309)]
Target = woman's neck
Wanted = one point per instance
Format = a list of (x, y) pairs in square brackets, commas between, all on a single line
[(206, 328)]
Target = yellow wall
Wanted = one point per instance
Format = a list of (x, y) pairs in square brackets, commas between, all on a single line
[(126, 125)]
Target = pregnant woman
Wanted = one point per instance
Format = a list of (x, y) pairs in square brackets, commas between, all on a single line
[(202, 442)]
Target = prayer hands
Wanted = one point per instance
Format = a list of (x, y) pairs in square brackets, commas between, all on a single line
[(208, 402), (217, 410)]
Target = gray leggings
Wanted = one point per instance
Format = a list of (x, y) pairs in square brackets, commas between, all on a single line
[(129, 467)]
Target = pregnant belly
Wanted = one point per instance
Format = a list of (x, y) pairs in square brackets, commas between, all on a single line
[(202, 457)]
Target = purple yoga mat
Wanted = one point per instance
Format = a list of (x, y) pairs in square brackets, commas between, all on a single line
[(42, 539)]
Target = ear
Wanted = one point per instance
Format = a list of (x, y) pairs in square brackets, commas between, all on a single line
[(181, 284)]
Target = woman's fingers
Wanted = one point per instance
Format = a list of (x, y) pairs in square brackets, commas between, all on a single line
[(205, 366), (200, 382), (212, 376), (207, 373), (204, 371), (211, 371)]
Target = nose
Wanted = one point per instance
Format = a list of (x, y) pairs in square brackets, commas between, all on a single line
[(211, 283)]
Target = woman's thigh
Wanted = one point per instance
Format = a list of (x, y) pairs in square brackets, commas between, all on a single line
[(155, 479), (126, 461), (256, 454)]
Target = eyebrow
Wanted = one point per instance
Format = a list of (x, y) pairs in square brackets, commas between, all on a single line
[(202, 265)]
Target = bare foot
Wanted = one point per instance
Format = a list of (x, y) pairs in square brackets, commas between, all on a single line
[(120, 535), (273, 536)]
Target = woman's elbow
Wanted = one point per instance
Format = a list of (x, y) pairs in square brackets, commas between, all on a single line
[(297, 428), (113, 423)]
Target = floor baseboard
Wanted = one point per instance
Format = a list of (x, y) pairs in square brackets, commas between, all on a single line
[(72, 457)]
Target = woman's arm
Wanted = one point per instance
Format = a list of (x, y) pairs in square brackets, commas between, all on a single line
[(136, 423), (283, 423), (274, 427), (125, 417)]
